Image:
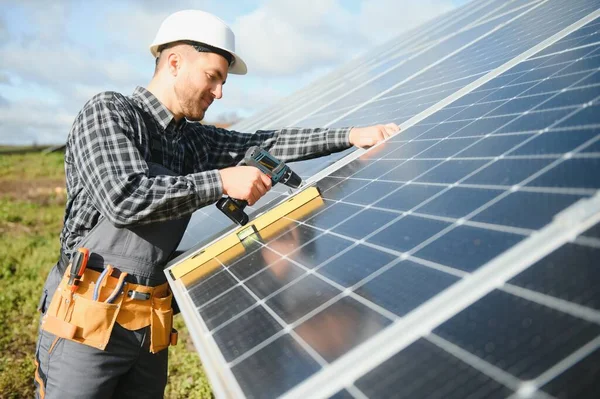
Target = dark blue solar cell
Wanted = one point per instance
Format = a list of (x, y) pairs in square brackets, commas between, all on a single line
[(576, 173), (407, 233), (343, 189), (525, 209), (340, 327), (586, 116), (351, 168), (579, 381), (376, 169), (519, 105), (318, 251), (405, 286), (355, 265), (408, 197), (364, 223), (211, 286), (592, 79), (593, 147), (244, 333), (506, 172), (423, 370), (483, 126), (494, 145), (534, 121), (372, 192), (556, 142), (554, 84), (274, 369), (570, 273), (327, 182), (446, 148), (301, 298), (226, 306), (477, 110), (274, 277), (509, 92), (589, 63), (452, 171), (467, 248), (480, 94), (413, 132), (411, 149), (458, 202), (572, 97), (521, 337), (384, 149), (333, 215), (409, 170), (444, 129)]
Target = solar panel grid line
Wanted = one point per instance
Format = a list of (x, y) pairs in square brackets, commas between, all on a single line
[(564, 306), (574, 221), (374, 306), (429, 80), (467, 89), (589, 142), (501, 12), (400, 255), (567, 363), (520, 83), (286, 329), (476, 362), (365, 83)]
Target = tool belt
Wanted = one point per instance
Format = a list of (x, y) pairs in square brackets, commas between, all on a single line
[(78, 317)]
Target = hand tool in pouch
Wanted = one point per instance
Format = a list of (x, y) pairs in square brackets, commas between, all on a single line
[(78, 265), (106, 273)]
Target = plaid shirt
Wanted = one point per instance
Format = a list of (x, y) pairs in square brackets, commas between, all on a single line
[(115, 136)]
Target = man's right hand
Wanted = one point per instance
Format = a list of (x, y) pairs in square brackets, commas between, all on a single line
[(245, 183)]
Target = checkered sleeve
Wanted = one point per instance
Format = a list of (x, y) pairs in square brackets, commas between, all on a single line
[(115, 175), (291, 144)]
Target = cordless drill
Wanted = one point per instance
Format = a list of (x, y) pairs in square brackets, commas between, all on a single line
[(278, 171)]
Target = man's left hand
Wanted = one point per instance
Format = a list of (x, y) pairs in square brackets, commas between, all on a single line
[(369, 136)]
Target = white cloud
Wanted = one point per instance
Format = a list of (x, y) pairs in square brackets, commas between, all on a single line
[(290, 37), (383, 19), (285, 43), (31, 121), (287, 37)]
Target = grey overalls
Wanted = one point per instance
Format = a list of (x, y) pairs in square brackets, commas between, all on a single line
[(125, 368)]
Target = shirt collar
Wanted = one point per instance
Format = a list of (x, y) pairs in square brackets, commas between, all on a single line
[(161, 114)]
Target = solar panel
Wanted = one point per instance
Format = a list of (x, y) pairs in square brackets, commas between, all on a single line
[(457, 259)]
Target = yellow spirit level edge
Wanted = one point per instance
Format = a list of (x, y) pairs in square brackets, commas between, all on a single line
[(262, 221)]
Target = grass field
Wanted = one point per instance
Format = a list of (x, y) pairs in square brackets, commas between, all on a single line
[(32, 198)]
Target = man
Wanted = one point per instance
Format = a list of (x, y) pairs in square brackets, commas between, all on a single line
[(137, 167)]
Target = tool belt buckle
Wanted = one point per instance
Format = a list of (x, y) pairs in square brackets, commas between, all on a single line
[(141, 296)]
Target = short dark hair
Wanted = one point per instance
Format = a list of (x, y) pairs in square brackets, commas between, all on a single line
[(200, 47)]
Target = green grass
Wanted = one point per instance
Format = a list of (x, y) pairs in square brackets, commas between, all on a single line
[(31, 211)]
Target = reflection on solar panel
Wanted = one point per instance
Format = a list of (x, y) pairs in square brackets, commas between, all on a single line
[(458, 259)]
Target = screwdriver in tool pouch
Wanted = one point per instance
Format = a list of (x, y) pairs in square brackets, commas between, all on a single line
[(78, 264)]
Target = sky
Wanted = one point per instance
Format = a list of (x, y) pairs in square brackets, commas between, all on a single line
[(55, 55)]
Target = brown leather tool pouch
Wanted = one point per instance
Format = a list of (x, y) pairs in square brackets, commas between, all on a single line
[(161, 322), (77, 316)]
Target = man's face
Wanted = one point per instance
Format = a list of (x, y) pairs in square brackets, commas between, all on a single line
[(199, 82)]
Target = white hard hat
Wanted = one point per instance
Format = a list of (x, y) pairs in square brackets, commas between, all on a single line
[(201, 27)]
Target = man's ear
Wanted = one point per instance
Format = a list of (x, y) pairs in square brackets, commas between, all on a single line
[(174, 60)]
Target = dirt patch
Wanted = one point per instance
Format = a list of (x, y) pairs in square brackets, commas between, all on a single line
[(39, 191)]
